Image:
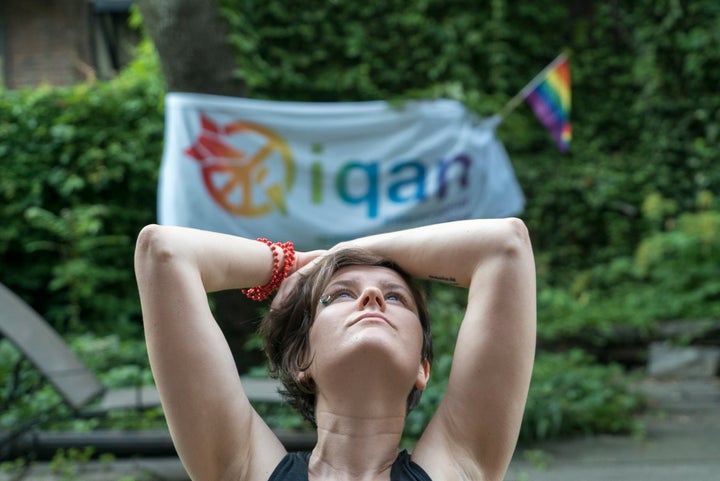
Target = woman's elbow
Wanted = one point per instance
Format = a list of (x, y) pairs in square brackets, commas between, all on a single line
[(516, 237), (153, 244)]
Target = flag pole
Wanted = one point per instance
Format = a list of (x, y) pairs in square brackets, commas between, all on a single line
[(525, 91)]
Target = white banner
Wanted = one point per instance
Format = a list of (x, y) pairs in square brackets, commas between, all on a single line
[(318, 173)]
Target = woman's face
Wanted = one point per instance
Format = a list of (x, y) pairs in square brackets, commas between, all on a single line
[(368, 311)]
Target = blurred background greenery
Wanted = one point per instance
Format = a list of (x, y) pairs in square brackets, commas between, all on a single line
[(626, 227)]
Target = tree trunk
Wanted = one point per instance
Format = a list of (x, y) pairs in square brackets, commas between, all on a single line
[(190, 37)]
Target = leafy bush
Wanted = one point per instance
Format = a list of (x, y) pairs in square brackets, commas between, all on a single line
[(671, 275), (79, 179), (570, 394), (27, 398)]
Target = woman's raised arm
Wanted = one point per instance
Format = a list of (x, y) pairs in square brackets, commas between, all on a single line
[(214, 428), (477, 424)]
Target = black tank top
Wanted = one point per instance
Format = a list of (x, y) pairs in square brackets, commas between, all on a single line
[(294, 467)]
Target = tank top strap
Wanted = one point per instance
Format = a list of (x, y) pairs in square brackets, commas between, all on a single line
[(405, 469), (293, 467)]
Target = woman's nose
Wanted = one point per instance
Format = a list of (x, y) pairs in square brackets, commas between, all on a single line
[(372, 297)]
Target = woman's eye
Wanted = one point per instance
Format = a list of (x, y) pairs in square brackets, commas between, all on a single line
[(327, 299), (395, 297)]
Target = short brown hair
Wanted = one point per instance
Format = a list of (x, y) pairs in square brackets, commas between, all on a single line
[(286, 328)]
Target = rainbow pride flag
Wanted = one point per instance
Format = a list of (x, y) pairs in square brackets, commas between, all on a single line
[(549, 97)]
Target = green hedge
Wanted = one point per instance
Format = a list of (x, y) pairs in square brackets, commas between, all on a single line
[(80, 168)]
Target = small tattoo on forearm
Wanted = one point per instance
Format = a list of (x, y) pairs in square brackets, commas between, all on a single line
[(449, 280)]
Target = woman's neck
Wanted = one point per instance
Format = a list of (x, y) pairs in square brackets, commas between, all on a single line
[(360, 446), (360, 409)]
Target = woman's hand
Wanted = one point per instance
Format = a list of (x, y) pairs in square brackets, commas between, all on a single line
[(304, 261)]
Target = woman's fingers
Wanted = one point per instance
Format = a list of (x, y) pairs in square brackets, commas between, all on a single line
[(304, 261)]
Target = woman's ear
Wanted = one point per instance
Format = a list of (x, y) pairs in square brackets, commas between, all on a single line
[(303, 376), (423, 375)]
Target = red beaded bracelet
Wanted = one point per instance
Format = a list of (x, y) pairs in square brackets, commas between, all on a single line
[(260, 293)]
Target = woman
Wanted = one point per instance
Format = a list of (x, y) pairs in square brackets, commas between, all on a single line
[(359, 357)]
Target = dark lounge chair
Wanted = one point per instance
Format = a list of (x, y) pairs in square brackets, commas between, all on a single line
[(80, 388)]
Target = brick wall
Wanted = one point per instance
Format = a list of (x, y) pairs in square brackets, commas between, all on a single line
[(46, 42)]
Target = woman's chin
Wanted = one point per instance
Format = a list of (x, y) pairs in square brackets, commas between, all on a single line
[(374, 350)]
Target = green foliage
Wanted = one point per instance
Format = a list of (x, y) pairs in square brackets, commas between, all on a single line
[(25, 396), (673, 274), (22, 391), (637, 131), (73, 238), (570, 394), (331, 51), (79, 180), (67, 463)]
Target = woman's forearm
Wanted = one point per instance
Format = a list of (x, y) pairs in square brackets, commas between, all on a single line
[(449, 252), (221, 261)]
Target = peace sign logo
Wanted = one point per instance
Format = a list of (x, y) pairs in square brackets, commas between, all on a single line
[(246, 168)]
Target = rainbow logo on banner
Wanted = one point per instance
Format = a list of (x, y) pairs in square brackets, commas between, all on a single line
[(233, 175), (550, 100)]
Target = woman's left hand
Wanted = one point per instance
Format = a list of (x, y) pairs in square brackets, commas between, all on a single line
[(304, 261)]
